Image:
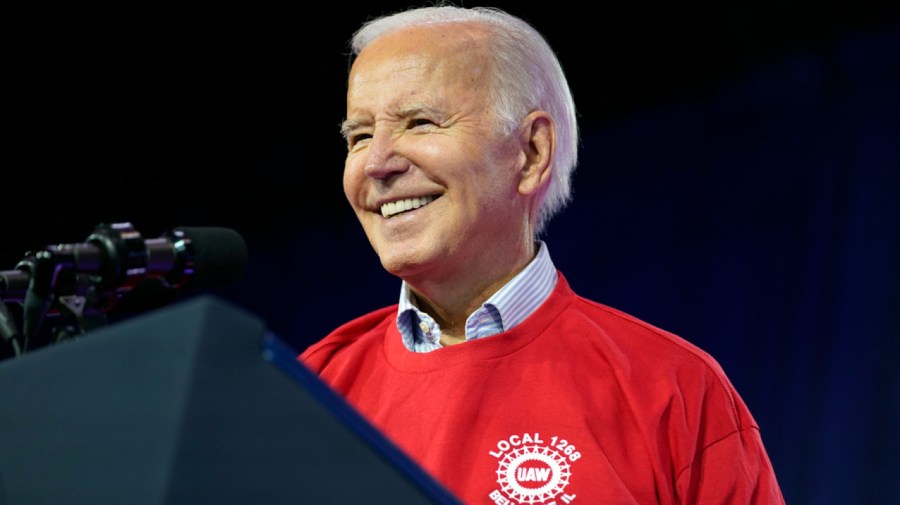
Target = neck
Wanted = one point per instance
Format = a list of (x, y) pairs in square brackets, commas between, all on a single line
[(451, 301)]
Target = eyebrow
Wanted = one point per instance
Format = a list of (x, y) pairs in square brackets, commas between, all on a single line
[(411, 110), (419, 108), (349, 125)]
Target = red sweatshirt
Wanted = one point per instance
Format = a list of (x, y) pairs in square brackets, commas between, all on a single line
[(579, 404)]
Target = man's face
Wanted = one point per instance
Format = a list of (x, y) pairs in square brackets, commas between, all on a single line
[(419, 138)]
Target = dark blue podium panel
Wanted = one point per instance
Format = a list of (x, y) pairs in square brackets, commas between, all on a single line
[(195, 403)]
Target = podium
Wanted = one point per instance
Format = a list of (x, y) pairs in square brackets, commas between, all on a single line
[(194, 403)]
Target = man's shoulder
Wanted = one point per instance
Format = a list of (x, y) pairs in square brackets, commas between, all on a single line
[(365, 323), (635, 336), (370, 324), (640, 353)]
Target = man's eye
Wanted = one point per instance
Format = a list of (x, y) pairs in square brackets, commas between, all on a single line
[(420, 122), (356, 138)]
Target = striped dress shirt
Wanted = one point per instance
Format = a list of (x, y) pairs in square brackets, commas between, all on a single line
[(506, 308)]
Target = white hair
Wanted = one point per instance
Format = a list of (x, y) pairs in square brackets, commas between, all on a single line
[(527, 77)]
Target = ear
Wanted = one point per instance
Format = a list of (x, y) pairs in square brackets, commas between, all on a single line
[(538, 139)]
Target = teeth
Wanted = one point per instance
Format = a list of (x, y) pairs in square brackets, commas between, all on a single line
[(393, 208)]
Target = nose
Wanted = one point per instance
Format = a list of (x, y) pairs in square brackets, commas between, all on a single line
[(383, 160)]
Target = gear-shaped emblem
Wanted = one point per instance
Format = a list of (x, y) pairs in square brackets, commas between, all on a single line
[(533, 474)]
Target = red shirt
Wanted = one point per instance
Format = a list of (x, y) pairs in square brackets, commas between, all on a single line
[(579, 404)]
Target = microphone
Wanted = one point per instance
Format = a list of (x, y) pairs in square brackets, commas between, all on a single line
[(196, 257), (113, 260)]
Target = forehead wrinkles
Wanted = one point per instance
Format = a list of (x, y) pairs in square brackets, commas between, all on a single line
[(383, 66), (390, 90), (415, 64)]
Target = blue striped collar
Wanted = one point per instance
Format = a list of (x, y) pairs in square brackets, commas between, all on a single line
[(505, 309)]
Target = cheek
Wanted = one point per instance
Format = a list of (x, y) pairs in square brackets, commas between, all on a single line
[(498, 172), (352, 180)]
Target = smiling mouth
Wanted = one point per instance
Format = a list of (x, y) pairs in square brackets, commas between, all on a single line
[(393, 208)]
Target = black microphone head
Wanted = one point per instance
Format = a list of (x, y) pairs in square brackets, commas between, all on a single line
[(217, 256)]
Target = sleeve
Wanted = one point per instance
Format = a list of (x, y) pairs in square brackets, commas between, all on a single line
[(314, 357), (734, 470)]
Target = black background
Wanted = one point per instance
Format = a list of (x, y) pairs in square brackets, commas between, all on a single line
[(737, 185), (229, 116)]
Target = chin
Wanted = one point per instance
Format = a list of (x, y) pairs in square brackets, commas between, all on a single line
[(399, 267), (403, 263), (410, 255)]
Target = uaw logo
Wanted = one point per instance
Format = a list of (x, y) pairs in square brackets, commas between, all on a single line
[(532, 470)]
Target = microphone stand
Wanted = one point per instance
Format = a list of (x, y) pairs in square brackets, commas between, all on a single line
[(77, 283), (9, 331), (57, 289), (44, 286), (82, 282), (13, 286)]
